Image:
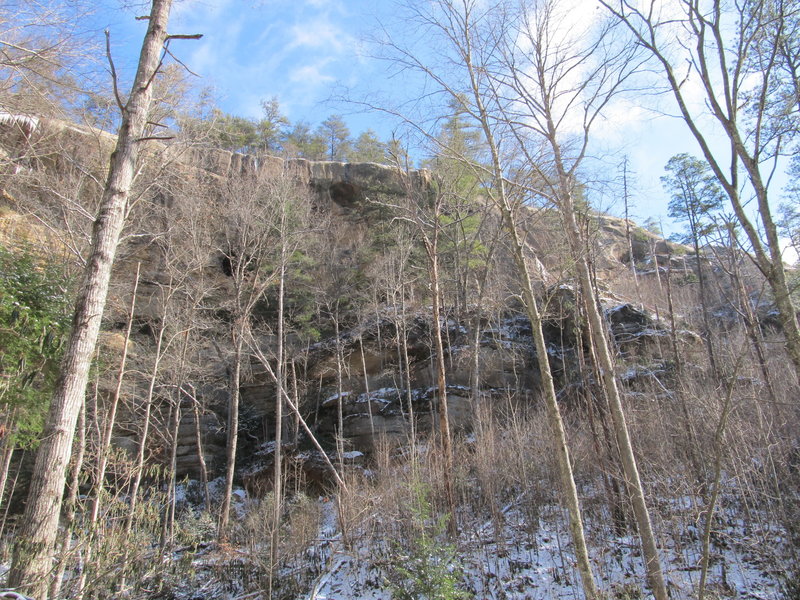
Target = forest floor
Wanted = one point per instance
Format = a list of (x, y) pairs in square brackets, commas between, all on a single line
[(522, 555)]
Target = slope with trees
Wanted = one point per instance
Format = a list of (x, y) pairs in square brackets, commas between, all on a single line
[(453, 358)]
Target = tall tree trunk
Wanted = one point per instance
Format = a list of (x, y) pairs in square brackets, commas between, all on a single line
[(339, 392), (32, 559), (366, 384), (401, 326), (569, 493), (628, 234), (441, 380), (8, 451), (688, 423), (503, 202), (168, 529), (108, 430), (602, 345), (701, 278), (201, 459), (145, 434), (105, 443), (138, 469), (716, 481), (278, 471), (168, 524), (71, 506), (11, 494), (233, 427)]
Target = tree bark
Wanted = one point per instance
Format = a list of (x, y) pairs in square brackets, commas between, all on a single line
[(601, 344), (279, 391), (238, 334), (71, 506), (32, 559), (444, 419)]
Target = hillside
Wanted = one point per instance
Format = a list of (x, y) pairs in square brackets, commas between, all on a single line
[(305, 290)]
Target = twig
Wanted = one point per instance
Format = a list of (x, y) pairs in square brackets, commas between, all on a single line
[(113, 71)]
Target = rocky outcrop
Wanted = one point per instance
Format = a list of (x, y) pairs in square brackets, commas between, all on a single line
[(379, 392), (382, 407), (28, 142)]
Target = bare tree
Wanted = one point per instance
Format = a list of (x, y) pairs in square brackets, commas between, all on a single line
[(41, 44), (251, 226), (741, 59), (564, 79), (424, 210), (32, 550), (460, 27)]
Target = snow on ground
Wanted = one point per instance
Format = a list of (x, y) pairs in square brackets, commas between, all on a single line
[(528, 557), (535, 562)]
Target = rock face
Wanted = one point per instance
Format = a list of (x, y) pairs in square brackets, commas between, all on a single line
[(381, 398), (381, 408)]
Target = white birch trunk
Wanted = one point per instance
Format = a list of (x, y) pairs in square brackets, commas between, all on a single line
[(32, 561)]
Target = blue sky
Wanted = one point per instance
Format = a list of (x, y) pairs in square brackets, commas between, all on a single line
[(305, 52), (301, 51)]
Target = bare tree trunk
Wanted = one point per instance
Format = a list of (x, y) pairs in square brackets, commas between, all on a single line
[(201, 459), (233, 428), (750, 320), (569, 493), (105, 443), (145, 434), (606, 366), (278, 471), (168, 528), (401, 326), (168, 524), (701, 278), (5, 464), (71, 506), (339, 392), (502, 201), (271, 372), (138, 469), (8, 451), (626, 198), (10, 495), (366, 385), (32, 559), (444, 420), (716, 482), (607, 459), (699, 472)]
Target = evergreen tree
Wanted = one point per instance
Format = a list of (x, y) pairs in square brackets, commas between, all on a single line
[(300, 141), (272, 126), (695, 196), (337, 138), (368, 148)]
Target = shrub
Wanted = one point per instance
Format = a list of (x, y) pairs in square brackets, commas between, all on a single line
[(34, 309), (428, 569)]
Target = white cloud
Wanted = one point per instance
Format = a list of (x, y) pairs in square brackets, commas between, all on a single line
[(312, 75), (319, 34), (201, 10)]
